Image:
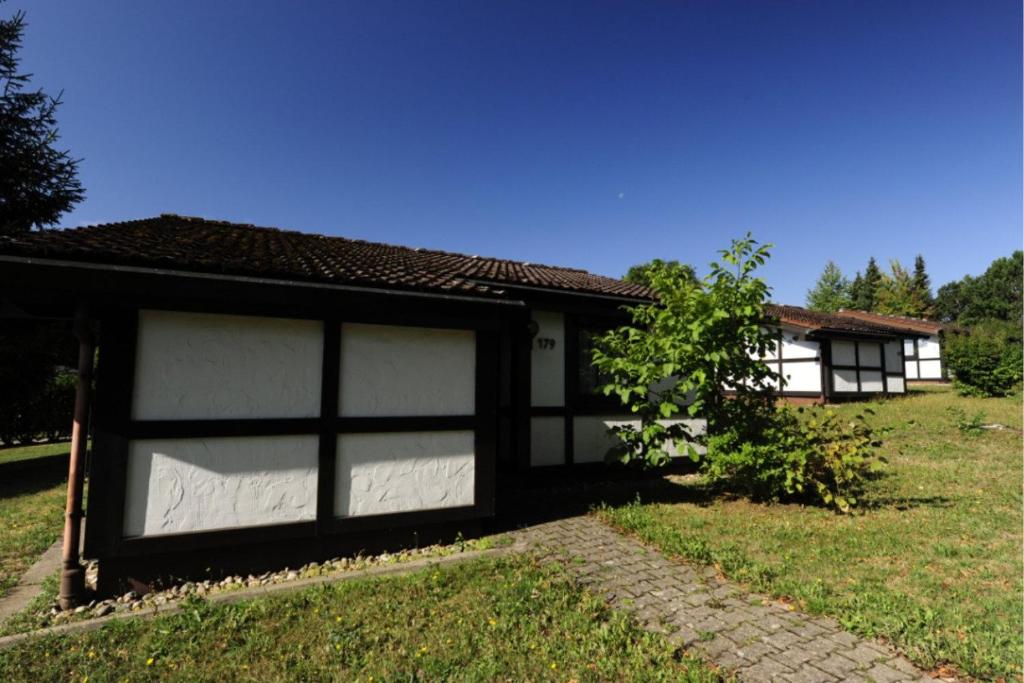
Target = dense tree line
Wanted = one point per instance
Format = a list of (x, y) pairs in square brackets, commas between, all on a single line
[(898, 292)]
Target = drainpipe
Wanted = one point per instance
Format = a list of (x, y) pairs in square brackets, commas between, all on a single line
[(72, 577)]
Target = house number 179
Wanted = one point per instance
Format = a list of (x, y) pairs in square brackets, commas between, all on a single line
[(545, 343)]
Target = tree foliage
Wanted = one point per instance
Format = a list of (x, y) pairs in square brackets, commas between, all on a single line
[(642, 273), (831, 292), (996, 294), (679, 354), (38, 182), (864, 290), (986, 359), (900, 293)]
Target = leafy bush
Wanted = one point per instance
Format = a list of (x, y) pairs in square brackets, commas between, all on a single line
[(985, 360), (792, 455), (971, 426)]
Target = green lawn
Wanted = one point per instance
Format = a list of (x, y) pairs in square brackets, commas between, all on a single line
[(40, 450), (31, 519), (933, 564), (488, 619)]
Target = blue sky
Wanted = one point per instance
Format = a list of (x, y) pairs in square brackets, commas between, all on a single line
[(593, 135)]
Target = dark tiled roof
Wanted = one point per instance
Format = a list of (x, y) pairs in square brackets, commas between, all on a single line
[(898, 321), (815, 320), (207, 246)]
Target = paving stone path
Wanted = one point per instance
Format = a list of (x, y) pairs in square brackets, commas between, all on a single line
[(751, 635)]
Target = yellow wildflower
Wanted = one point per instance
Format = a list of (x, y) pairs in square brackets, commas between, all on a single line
[(149, 662)]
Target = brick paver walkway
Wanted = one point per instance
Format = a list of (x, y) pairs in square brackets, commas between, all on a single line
[(753, 636)]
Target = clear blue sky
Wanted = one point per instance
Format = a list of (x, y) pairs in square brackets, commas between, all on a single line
[(594, 135)]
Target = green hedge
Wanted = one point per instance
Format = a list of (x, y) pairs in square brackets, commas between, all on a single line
[(986, 359)]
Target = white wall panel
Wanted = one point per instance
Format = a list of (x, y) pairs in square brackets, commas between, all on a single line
[(547, 441), (389, 370), (547, 360), (911, 369), (801, 348), (185, 485), (908, 347), (931, 369), (403, 471), (203, 366), (843, 353), (893, 358), (895, 384), (929, 348), (870, 354), (696, 427), (802, 376), (844, 380), (591, 438), (871, 381)]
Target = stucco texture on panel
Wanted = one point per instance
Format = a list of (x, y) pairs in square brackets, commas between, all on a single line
[(185, 485), (389, 370), (547, 360), (592, 438), (403, 472), (203, 366)]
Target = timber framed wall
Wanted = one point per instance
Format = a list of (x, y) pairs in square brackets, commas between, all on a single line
[(859, 367), (923, 359), (183, 424)]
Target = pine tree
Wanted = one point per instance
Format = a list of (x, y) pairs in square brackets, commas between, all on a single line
[(38, 183), (831, 292), (925, 302), (867, 294), (856, 290)]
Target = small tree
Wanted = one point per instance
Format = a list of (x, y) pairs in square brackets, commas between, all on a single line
[(900, 294), (680, 354), (38, 183), (831, 292), (923, 288)]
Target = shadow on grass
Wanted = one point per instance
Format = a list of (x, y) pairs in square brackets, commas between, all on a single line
[(25, 481)]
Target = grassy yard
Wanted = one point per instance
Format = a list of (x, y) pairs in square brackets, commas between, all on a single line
[(489, 619), (31, 516), (934, 562), (40, 450)]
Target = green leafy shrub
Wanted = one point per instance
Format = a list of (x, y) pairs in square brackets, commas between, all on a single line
[(971, 426), (796, 455), (986, 359)]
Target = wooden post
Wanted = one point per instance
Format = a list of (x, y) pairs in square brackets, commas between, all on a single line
[(72, 578)]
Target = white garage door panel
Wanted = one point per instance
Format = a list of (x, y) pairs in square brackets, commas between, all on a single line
[(203, 366), (185, 485), (931, 369), (870, 354), (844, 353), (844, 380), (871, 381), (389, 370), (402, 472), (802, 376), (893, 359), (547, 441)]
